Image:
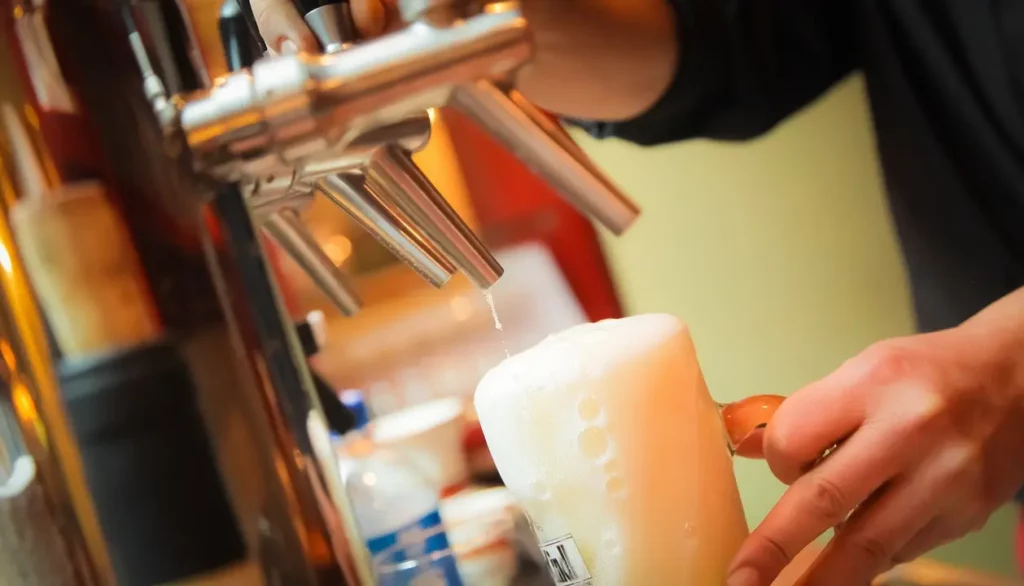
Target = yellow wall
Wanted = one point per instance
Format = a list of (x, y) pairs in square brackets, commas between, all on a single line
[(781, 256)]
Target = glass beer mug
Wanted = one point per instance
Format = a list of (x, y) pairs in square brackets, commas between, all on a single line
[(609, 439)]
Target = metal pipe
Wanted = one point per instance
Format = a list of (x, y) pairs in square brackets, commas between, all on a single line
[(390, 226), (412, 134), (522, 131), (287, 229), (299, 105), (526, 131), (393, 171)]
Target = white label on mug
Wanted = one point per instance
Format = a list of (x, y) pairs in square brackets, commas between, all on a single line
[(565, 563)]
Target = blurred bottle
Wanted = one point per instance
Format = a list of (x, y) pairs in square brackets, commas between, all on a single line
[(396, 510)]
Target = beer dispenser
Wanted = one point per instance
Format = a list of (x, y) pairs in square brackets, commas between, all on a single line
[(158, 422)]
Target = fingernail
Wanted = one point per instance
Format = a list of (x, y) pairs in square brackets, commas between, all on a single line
[(288, 47), (743, 577)]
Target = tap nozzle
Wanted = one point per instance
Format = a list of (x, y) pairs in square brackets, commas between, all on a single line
[(288, 230), (373, 210), (548, 152), (392, 171)]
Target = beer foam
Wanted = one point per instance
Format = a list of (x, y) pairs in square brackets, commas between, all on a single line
[(582, 351)]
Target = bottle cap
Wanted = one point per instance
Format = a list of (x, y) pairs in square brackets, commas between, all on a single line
[(353, 400)]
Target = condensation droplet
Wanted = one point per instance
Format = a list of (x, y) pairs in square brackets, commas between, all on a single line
[(616, 485), (589, 408), (611, 468), (593, 442)]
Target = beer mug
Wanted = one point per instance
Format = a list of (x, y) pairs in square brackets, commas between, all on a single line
[(609, 439)]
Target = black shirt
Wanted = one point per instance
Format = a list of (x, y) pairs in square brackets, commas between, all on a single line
[(946, 85)]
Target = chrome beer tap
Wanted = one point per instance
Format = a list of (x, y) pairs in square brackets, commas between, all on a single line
[(445, 56), (527, 132), (388, 168), (377, 183), (315, 114), (276, 202)]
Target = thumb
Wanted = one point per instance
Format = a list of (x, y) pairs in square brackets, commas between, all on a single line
[(282, 28)]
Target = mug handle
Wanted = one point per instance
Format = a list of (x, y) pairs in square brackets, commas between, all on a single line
[(745, 421)]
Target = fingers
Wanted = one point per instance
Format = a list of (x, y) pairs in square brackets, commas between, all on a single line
[(282, 28), (285, 31), (874, 538), (801, 430), (815, 503), (866, 546), (823, 414)]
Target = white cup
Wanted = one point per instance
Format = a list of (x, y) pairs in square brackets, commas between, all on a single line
[(430, 435), (481, 530)]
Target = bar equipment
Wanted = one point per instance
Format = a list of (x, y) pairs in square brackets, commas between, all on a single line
[(111, 98)]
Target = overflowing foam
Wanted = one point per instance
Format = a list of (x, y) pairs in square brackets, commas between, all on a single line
[(605, 432)]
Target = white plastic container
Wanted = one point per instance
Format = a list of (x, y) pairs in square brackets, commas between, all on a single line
[(431, 435)]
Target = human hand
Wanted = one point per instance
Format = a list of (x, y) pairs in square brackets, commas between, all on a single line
[(285, 32), (931, 429)]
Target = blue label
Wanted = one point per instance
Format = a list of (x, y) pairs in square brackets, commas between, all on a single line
[(415, 555)]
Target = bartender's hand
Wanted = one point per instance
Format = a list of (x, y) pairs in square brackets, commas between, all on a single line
[(579, 44), (931, 430), (285, 33)]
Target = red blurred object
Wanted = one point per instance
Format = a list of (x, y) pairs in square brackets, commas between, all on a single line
[(515, 206), (286, 287)]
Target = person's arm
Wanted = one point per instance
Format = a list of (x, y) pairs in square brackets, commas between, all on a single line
[(654, 71), (741, 67)]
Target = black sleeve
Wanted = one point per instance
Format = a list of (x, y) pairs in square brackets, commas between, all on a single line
[(744, 66)]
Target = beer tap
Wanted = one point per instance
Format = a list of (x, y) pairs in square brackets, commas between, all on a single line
[(390, 171), (314, 114), (526, 131), (377, 177), (282, 221), (274, 198)]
